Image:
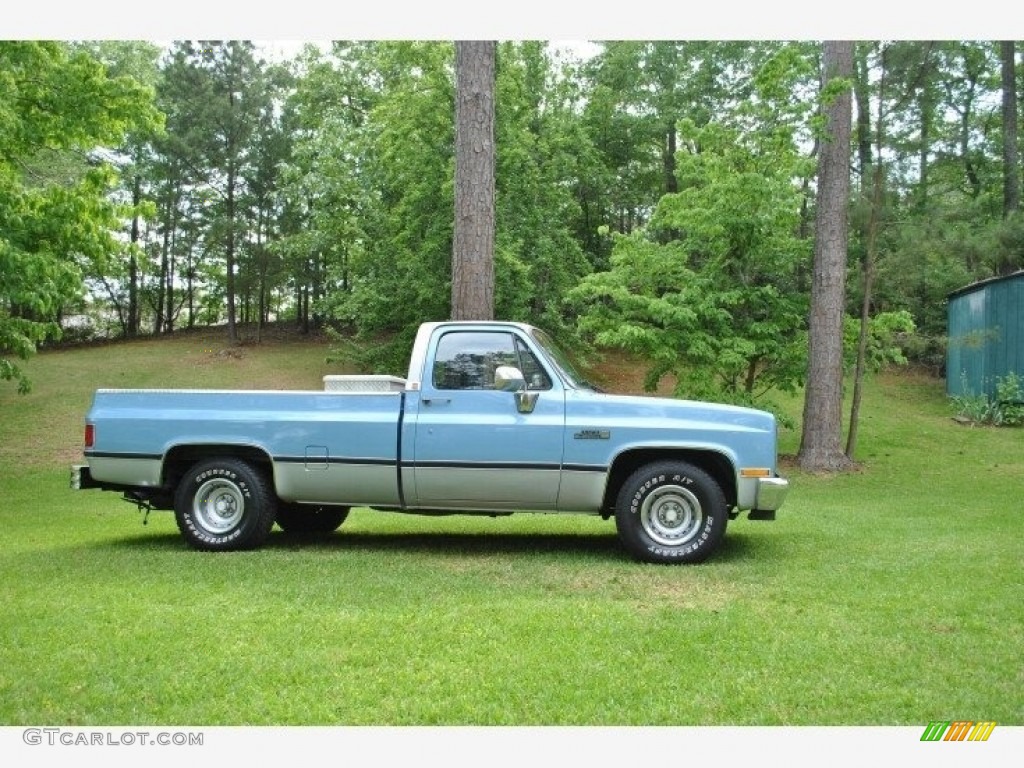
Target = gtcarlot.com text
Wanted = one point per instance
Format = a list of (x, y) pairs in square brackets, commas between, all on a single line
[(72, 737)]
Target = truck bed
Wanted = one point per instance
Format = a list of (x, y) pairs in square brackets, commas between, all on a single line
[(302, 434)]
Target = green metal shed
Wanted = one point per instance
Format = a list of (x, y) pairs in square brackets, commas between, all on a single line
[(986, 335)]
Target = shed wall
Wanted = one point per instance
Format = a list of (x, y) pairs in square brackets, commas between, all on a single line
[(986, 335)]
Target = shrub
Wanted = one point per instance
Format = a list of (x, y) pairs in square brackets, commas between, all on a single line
[(1006, 409)]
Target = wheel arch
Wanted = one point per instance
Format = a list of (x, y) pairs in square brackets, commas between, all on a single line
[(716, 463), (179, 458)]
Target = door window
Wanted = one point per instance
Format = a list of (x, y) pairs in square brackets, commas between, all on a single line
[(468, 359)]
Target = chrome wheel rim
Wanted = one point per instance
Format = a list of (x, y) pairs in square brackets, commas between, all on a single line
[(671, 515), (218, 505)]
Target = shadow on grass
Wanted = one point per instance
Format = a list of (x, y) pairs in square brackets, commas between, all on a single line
[(736, 547)]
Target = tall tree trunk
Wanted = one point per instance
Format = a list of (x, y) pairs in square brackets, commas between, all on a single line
[(230, 252), (261, 285), (966, 118), (169, 292), (473, 249), (870, 259), (671, 182), (165, 249), (1011, 171), (190, 287), (861, 91), (131, 329), (820, 448), (926, 109)]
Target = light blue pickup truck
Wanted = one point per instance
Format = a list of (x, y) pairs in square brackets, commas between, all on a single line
[(492, 418)]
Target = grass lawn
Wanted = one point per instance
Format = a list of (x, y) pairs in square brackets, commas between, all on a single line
[(888, 596)]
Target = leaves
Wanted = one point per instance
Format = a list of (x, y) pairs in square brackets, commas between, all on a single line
[(709, 290), (56, 108)]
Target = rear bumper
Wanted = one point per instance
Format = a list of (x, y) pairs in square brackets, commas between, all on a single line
[(81, 478), (771, 492)]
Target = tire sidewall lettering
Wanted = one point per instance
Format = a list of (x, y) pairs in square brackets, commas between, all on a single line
[(228, 474), (646, 481), (196, 529), (643, 491)]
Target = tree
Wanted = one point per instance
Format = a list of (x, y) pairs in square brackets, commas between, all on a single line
[(473, 246), (217, 91), (121, 278), (539, 143), (820, 444), (1011, 171), (55, 107), (708, 290)]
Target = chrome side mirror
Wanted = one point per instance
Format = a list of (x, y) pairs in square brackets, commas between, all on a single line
[(510, 379)]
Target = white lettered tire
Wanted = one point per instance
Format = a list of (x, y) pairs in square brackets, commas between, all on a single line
[(671, 512), (224, 504)]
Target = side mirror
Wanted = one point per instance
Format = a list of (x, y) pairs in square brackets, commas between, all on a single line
[(510, 379)]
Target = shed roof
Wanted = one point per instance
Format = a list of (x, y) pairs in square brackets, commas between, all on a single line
[(988, 281)]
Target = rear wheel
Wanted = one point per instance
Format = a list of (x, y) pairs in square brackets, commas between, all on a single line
[(310, 518), (671, 512), (224, 504)]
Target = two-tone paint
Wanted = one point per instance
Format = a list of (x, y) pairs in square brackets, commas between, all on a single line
[(430, 448)]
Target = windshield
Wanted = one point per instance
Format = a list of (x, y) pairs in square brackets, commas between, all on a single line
[(563, 363)]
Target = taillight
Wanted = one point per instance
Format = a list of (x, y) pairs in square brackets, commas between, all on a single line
[(90, 435)]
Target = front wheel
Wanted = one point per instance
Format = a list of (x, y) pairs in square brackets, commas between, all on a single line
[(671, 512), (224, 504)]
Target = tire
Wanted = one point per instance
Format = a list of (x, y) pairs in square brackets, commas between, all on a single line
[(223, 505), (671, 512), (310, 518)]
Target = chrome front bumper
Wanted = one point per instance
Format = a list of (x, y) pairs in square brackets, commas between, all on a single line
[(771, 492)]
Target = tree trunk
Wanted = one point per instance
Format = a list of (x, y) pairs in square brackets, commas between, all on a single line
[(190, 287), (820, 448), (473, 249), (230, 253), (1011, 171), (671, 182), (165, 248), (261, 284), (169, 292), (971, 76), (926, 108), (131, 329), (870, 259), (861, 88), (865, 310)]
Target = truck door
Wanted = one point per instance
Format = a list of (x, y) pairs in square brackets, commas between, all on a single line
[(473, 448)]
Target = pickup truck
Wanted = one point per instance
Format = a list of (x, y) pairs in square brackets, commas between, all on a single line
[(492, 418)]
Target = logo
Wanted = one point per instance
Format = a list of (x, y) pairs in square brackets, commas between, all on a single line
[(957, 730)]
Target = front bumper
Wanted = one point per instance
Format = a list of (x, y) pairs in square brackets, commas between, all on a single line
[(771, 492)]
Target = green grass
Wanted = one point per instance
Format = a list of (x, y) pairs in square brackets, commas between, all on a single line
[(887, 596)]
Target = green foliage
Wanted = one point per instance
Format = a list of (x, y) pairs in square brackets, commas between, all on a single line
[(709, 292), (371, 196), (55, 217), (538, 259), (889, 336), (1004, 409), (374, 174)]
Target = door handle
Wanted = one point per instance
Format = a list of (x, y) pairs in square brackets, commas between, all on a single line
[(436, 400)]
